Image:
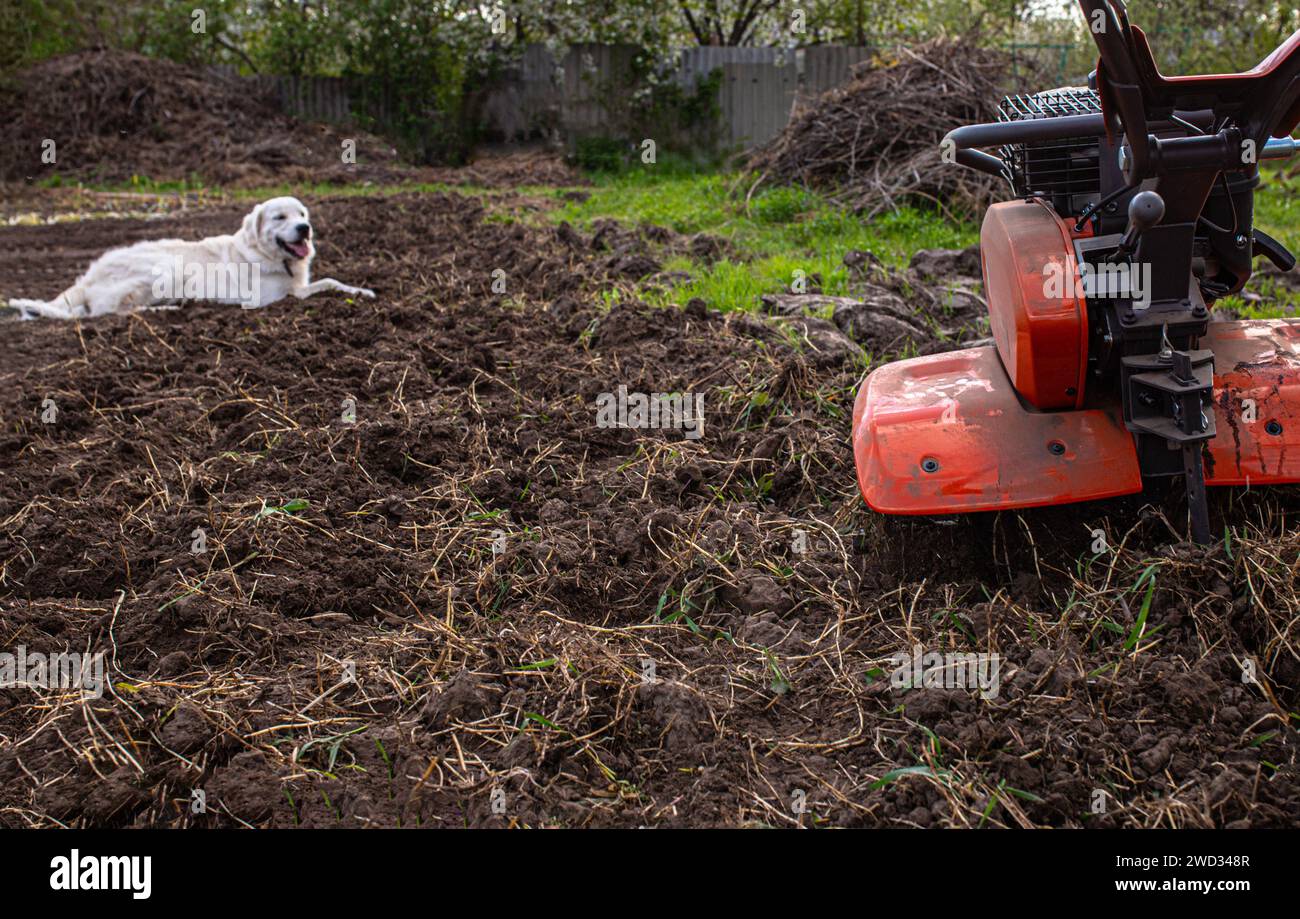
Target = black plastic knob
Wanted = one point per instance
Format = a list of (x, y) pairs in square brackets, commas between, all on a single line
[(1145, 210)]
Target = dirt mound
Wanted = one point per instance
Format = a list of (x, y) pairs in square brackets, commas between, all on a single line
[(112, 115), (873, 143), (511, 169), (935, 304), (434, 590)]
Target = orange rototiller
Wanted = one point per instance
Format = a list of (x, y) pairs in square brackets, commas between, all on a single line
[(1132, 215)]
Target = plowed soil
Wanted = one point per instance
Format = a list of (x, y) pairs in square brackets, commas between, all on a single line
[(470, 605)]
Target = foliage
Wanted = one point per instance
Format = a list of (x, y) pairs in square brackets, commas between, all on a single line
[(297, 37), (420, 62), (600, 153), (338, 36), (650, 24), (647, 101), (1210, 36), (431, 62), (32, 30)]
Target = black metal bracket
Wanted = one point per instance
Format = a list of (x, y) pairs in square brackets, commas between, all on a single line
[(1169, 395)]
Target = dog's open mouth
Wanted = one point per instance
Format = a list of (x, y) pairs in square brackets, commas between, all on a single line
[(297, 250)]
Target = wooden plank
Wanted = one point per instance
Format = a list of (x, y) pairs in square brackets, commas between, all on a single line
[(829, 66), (756, 101)]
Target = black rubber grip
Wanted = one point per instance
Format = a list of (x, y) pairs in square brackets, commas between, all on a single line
[(1273, 250)]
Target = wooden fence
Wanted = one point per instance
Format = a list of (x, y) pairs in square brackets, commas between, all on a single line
[(570, 97)]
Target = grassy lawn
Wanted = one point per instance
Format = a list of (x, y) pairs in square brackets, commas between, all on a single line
[(782, 230)]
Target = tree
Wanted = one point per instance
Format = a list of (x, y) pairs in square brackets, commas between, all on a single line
[(725, 22), (31, 30)]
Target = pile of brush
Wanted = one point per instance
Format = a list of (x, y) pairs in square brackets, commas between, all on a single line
[(873, 143)]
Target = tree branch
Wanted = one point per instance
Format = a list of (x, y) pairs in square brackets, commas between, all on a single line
[(221, 40)]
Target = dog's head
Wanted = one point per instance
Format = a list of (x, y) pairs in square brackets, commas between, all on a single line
[(279, 228)]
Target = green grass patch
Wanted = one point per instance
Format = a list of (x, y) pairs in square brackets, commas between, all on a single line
[(1277, 213), (777, 232)]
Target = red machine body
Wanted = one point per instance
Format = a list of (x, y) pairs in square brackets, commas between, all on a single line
[(1256, 403), (982, 429), (1038, 317), (946, 433)]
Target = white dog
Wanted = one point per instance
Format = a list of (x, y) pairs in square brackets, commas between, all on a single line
[(268, 259)]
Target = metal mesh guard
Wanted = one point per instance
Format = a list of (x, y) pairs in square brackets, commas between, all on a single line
[(1069, 100), (1067, 167)]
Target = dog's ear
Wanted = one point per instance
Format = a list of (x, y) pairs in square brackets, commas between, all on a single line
[(251, 231)]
